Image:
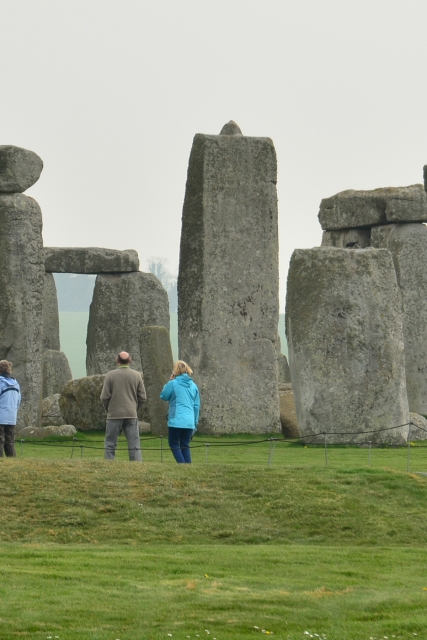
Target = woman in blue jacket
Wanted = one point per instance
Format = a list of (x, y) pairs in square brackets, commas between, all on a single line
[(10, 399), (184, 407)]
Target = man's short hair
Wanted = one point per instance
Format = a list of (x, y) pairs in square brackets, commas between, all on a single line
[(121, 360)]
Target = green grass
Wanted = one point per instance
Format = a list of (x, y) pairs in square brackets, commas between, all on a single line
[(93, 549)]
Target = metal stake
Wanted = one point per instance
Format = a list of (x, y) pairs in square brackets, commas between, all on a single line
[(161, 448), (81, 451), (408, 462), (22, 447), (271, 451), (72, 450), (369, 456), (207, 451), (326, 451)]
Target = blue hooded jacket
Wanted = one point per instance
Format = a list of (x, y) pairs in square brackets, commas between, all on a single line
[(10, 399), (184, 402)]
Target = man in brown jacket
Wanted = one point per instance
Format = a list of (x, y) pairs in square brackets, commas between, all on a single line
[(122, 395)]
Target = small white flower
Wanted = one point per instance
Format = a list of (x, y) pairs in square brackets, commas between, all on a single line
[(255, 627)]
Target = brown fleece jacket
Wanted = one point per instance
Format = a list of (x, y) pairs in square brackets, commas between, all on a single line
[(123, 393)]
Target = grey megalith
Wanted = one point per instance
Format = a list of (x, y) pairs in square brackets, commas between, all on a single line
[(228, 282), (351, 209), (81, 406), (345, 340), (19, 169), (408, 246), (21, 298), (50, 314), (121, 305), (157, 363), (90, 260), (56, 372)]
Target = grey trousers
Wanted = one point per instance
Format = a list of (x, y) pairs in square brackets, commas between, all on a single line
[(131, 431)]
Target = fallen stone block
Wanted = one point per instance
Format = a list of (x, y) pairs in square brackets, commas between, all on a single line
[(81, 406), (345, 341), (19, 169), (351, 209), (51, 413), (43, 432), (418, 427), (90, 260)]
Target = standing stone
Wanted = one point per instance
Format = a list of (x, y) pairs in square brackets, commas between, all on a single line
[(408, 246), (157, 364), (288, 414), (283, 372), (19, 169), (346, 355), (21, 298), (80, 404), (122, 304), (90, 260), (228, 281), (56, 372), (50, 315)]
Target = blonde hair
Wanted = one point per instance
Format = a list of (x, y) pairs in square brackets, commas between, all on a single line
[(5, 367), (181, 367)]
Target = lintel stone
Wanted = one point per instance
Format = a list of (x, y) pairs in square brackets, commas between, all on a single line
[(90, 260)]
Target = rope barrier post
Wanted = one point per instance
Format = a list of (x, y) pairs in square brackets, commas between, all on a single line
[(326, 451), (161, 448), (369, 455), (408, 461), (81, 451), (22, 447), (72, 450), (271, 451), (207, 451)]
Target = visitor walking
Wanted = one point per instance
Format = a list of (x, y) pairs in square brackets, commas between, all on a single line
[(184, 407), (122, 395), (10, 399)]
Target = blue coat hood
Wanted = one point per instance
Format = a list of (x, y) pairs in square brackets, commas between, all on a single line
[(183, 396)]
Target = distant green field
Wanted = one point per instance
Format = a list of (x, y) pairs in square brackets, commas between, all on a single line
[(73, 330)]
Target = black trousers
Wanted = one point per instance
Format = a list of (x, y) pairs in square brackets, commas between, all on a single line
[(7, 440)]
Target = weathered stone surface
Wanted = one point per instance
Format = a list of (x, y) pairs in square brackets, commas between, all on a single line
[(347, 239), (157, 364), (50, 314), (351, 209), (51, 413), (21, 298), (408, 246), (90, 260), (122, 304), (144, 427), (288, 414), (228, 282), (80, 403), (345, 341), (231, 129), (52, 430), (418, 428), (56, 372), (284, 374), (19, 169)]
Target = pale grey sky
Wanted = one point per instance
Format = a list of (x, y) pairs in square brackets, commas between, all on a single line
[(111, 92)]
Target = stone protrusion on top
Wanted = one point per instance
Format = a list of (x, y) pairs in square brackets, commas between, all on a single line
[(90, 260), (19, 169), (352, 209), (231, 129)]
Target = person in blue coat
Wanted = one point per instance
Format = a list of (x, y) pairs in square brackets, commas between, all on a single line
[(184, 408), (10, 399)]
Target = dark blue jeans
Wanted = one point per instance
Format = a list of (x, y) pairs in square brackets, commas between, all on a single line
[(179, 442)]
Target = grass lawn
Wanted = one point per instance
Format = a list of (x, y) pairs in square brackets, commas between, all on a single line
[(104, 550)]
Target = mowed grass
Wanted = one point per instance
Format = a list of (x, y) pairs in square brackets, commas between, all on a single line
[(104, 550)]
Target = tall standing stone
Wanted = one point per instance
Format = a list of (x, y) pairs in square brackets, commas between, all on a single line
[(228, 281), (50, 314), (345, 340), (21, 298), (122, 304), (408, 246), (56, 372), (157, 364)]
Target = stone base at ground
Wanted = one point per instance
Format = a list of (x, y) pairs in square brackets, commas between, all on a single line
[(42, 432), (51, 413), (345, 340), (288, 414), (80, 403), (418, 428)]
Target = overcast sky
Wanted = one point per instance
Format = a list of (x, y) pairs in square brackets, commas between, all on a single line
[(111, 92)]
